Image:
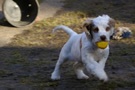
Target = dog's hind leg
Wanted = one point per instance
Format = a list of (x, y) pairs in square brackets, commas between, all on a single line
[(56, 72), (78, 67)]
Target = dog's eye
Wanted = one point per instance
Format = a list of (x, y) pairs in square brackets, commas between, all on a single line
[(95, 30), (107, 28)]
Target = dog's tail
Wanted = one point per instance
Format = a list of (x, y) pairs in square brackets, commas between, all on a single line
[(68, 30)]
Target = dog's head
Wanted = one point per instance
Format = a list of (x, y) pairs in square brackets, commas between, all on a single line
[(99, 29)]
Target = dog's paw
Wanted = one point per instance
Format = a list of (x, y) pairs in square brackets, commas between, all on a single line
[(55, 76), (82, 76), (104, 79)]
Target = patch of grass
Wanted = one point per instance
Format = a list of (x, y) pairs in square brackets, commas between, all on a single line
[(41, 35), (116, 84), (5, 73), (47, 84), (120, 10), (16, 58), (40, 83), (69, 18)]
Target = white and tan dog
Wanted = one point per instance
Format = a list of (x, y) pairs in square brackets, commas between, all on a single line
[(82, 48)]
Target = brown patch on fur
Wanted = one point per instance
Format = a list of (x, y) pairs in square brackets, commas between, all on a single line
[(80, 46), (111, 23), (87, 27), (86, 23), (88, 36), (80, 43)]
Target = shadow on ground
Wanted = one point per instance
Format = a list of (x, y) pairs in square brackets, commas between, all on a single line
[(24, 68), (31, 68)]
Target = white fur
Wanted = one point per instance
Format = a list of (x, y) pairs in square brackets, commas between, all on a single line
[(84, 52)]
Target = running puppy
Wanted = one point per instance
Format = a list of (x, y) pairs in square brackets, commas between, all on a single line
[(84, 50)]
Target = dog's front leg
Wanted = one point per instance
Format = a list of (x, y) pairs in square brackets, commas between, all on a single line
[(78, 67), (104, 59), (102, 62), (94, 67)]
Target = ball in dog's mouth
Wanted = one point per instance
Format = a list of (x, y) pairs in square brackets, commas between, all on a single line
[(102, 44)]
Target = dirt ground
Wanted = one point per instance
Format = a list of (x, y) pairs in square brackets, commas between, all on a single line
[(28, 61)]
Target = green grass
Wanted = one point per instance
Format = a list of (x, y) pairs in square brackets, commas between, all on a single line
[(112, 85)]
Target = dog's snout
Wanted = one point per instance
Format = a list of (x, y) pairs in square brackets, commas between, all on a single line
[(103, 37)]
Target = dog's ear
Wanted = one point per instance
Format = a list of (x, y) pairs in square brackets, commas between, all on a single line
[(87, 27), (111, 23)]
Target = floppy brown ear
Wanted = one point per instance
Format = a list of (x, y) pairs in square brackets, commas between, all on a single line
[(87, 27), (111, 22)]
